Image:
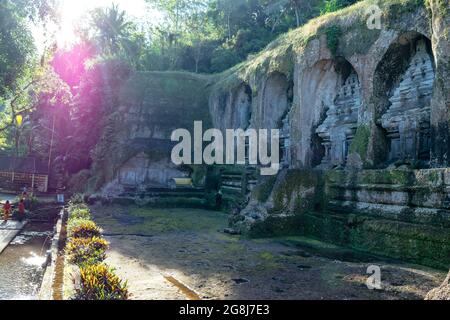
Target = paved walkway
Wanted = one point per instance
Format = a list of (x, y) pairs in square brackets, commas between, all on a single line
[(8, 231)]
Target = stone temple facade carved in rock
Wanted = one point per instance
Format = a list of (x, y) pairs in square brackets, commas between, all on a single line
[(339, 127), (407, 121)]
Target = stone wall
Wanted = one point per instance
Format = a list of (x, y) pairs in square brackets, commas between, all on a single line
[(401, 214)]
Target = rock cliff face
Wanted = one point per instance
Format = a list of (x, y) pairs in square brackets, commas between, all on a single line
[(364, 119), (135, 149)]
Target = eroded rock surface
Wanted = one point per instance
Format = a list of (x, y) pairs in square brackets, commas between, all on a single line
[(441, 293)]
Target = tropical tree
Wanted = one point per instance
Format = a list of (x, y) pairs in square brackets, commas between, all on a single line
[(112, 29), (20, 67)]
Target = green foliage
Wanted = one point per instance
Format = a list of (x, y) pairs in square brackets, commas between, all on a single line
[(82, 228), (17, 49), (16, 46), (361, 142), (75, 206), (112, 31), (393, 10), (214, 35), (333, 33), (77, 199), (98, 282), (86, 251), (80, 213), (329, 6)]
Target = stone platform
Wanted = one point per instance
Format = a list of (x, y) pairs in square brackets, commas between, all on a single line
[(8, 231), (399, 214)]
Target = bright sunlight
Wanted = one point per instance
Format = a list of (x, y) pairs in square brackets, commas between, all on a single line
[(73, 13)]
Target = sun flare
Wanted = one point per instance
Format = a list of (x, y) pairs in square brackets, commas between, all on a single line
[(72, 13)]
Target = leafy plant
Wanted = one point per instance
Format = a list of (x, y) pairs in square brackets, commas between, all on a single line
[(75, 206), (80, 213), (82, 228), (98, 282), (335, 5), (77, 199), (87, 251), (334, 34)]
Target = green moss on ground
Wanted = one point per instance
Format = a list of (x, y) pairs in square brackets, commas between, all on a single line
[(275, 227), (151, 221)]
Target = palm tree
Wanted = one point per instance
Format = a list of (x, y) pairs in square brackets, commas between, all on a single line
[(295, 5), (112, 28)]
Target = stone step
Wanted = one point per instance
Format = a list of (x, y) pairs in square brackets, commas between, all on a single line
[(231, 189), (421, 215)]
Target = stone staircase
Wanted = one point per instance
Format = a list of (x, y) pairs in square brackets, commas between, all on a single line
[(236, 185), (163, 197)]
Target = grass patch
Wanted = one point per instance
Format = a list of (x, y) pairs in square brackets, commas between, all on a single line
[(154, 221)]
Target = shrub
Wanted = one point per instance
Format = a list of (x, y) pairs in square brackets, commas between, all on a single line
[(333, 37), (80, 213), (76, 206), (31, 202), (77, 198), (86, 251), (98, 282), (83, 228)]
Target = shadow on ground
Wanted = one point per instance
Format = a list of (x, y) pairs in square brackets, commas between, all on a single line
[(148, 246)]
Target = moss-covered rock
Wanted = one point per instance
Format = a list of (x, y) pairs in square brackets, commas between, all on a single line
[(297, 192), (360, 143)]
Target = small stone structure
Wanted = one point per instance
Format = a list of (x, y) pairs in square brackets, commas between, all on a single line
[(339, 127), (407, 121)]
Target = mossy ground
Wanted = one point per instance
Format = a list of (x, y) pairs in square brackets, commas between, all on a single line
[(135, 220), (187, 244)]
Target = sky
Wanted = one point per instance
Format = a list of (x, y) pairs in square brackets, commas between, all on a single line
[(72, 11)]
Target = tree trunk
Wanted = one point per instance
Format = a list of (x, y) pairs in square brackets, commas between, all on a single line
[(229, 25), (297, 16)]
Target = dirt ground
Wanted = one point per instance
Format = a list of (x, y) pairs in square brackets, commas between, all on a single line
[(183, 254)]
